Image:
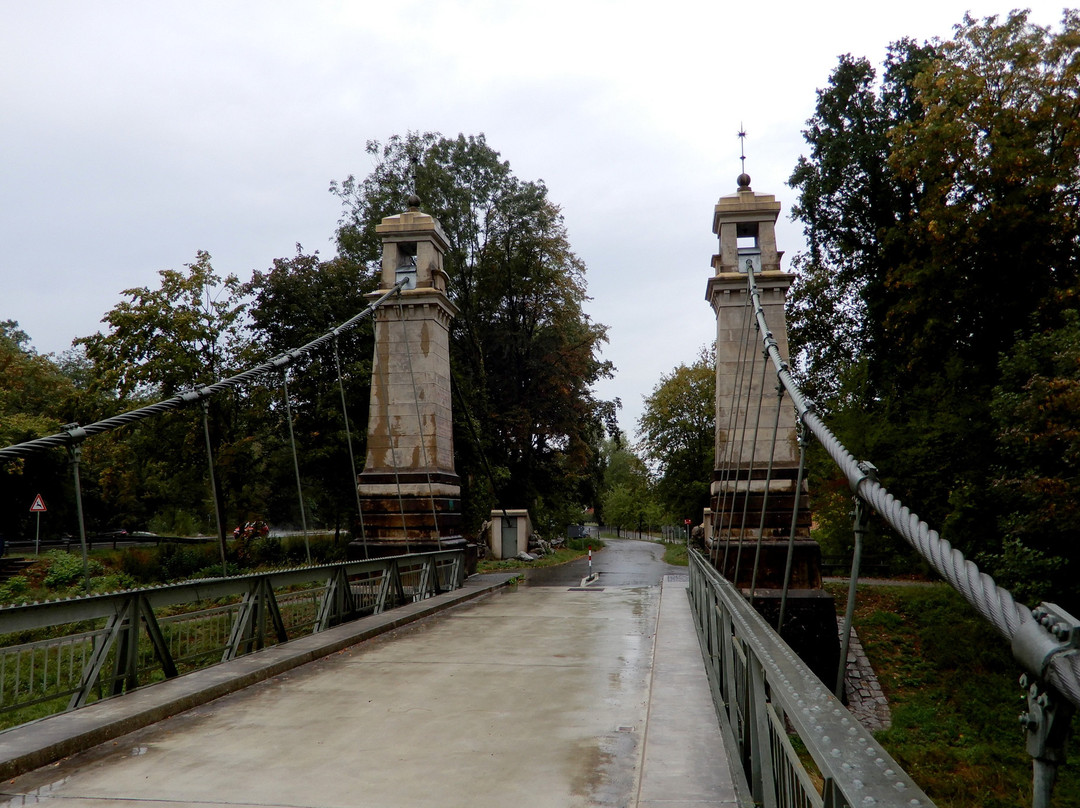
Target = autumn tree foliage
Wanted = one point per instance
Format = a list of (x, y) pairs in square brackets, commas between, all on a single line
[(524, 353), (677, 436), (188, 331), (940, 204)]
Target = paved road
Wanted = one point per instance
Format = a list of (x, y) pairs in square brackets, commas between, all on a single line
[(623, 562), (539, 696)]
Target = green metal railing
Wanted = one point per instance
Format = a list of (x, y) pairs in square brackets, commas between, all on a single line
[(765, 695), (75, 651)]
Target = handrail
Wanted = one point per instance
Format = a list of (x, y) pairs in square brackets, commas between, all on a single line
[(760, 685), (108, 644)]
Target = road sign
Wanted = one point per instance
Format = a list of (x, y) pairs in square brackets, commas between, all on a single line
[(686, 521), (38, 506)]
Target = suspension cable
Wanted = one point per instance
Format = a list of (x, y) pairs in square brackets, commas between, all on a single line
[(213, 486), (994, 603), (789, 561), (753, 452), (729, 461), (295, 459), (739, 445), (768, 485), (419, 420), (397, 477), (348, 440), (190, 397), (720, 504)]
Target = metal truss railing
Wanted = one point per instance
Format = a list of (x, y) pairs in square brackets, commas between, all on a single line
[(75, 651), (764, 695)]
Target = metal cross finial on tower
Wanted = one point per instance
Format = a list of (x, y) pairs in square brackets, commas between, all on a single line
[(414, 198), (744, 178)]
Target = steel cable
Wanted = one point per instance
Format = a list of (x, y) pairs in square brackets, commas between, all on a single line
[(753, 452), (77, 433), (719, 505), (994, 603), (731, 462)]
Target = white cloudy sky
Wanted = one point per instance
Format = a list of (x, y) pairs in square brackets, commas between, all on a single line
[(133, 134)]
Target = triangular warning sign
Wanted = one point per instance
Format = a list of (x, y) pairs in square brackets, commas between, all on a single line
[(38, 506)]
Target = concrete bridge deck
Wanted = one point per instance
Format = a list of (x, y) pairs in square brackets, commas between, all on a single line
[(533, 696)]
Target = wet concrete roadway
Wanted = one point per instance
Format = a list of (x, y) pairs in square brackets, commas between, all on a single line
[(536, 696), (623, 562)]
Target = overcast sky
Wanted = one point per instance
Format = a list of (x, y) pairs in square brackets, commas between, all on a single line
[(133, 134)]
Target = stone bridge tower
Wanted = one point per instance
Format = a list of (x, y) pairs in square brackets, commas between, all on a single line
[(744, 223), (409, 490)]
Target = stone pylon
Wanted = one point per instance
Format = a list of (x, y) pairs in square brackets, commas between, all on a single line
[(409, 490), (744, 223)]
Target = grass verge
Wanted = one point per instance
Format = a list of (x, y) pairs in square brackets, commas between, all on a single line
[(574, 549), (954, 694), (676, 554)]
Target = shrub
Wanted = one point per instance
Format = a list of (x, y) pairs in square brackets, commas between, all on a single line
[(181, 560), (14, 588), (214, 571), (323, 549), (175, 523), (266, 551), (66, 569), (140, 563)]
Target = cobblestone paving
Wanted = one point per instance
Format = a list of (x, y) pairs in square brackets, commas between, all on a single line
[(866, 701)]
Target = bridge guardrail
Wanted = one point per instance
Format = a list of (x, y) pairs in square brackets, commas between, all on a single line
[(762, 691), (104, 645)]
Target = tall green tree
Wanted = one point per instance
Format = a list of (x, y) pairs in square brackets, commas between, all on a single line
[(36, 399), (1036, 409), (524, 353), (677, 431), (850, 203), (627, 500), (160, 341), (940, 206), (296, 300)]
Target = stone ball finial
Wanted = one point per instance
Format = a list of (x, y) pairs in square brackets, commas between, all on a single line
[(414, 202), (744, 181)]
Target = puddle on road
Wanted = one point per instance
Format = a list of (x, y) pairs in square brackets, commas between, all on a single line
[(607, 768)]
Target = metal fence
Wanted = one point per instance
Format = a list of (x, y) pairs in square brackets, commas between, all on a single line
[(75, 651), (765, 697)]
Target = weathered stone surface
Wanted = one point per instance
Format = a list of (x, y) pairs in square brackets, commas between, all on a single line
[(409, 490)]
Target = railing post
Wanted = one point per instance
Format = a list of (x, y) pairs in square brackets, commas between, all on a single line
[(1052, 632), (125, 666), (213, 486), (77, 434), (1047, 723), (859, 520), (157, 638), (761, 763)]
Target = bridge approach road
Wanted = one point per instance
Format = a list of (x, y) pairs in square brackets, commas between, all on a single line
[(536, 696)]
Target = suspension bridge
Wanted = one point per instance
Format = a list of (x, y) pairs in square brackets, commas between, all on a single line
[(639, 686)]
